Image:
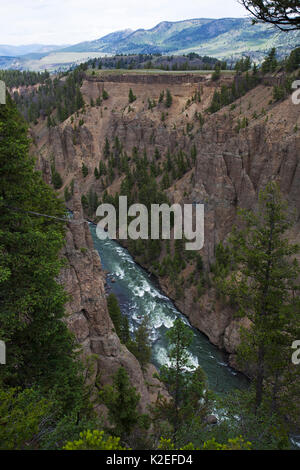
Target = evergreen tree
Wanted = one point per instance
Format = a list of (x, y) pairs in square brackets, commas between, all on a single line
[(41, 349), (121, 400), (102, 169), (264, 286), (187, 385), (119, 320), (265, 430), (85, 170), (56, 179), (114, 312), (21, 415), (141, 346), (217, 73), (106, 150), (79, 99), (243, 65), (169, 99), (131, 96), (92, 202), (293, 61), (174, 376), (161, 97), (270, 62), (67, 194), (96, 173)]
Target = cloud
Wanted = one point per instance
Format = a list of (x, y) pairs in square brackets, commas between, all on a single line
[(72, 21)]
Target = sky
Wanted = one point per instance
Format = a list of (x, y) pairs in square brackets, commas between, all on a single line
[(73, 21)]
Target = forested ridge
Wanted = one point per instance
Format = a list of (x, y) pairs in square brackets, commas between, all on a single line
[(44, 96)]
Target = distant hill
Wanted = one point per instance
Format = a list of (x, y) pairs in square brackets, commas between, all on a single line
[(221, 38), (225, 38), (16, 51), (111, 41)]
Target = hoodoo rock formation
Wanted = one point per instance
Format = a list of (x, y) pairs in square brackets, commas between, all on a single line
[(232, 165)]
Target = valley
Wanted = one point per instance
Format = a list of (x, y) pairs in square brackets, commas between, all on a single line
[(224, 38), (149, 229), (228, 170), (227, 140)]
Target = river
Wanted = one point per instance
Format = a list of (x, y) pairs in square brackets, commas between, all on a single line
[(138, 295)]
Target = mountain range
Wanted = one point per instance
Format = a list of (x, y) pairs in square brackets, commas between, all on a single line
[(15, 51), (220, 38), (223, 38)]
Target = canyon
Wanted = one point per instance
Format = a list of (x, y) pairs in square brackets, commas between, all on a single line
[(231, 166)]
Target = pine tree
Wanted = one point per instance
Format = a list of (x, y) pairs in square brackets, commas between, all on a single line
[(169, 99), (187, 385), (270, 62), (92, 202), (56, 179), (161, 97), (293, 62), (264, 286), (85, 170), (121, 400), (194, 153), (131, 96), (21, 414), (102, 169), (31, 301), (119, 320), (105, 95), (79, 99), (141, 346), (96, 173), (217, 72), (180, 338), (67, 194), (114, 312), (106, 150)]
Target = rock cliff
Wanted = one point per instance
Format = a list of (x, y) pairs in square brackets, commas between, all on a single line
[(232, 166), (88, 317)]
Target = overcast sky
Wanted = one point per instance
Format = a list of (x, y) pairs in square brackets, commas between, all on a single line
[(72, 21)]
